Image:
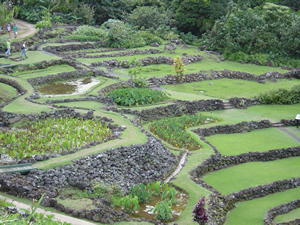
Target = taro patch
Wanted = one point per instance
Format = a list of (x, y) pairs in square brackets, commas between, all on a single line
[(173, 130), (52, 136)]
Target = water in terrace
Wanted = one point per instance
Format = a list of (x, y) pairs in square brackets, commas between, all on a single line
[(66, 88)]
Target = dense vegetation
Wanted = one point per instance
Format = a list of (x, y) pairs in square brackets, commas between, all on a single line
[(61, 135), (246, 31), (173, 130), (137, 96)]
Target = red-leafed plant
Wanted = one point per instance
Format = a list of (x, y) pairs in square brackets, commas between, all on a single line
[(200, 215)]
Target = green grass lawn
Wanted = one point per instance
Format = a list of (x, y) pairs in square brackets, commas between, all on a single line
[(7, 92), (33, 57), (229, 88), (253, 212), (246, 175), (44, 72), (254, 141), (292, 215)]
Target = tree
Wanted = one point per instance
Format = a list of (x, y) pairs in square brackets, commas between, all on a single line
[(7, 13), (197, 16), (150, 17)]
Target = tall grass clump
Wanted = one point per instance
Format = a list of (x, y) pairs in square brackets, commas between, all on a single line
[(280, 96), (137, 96)]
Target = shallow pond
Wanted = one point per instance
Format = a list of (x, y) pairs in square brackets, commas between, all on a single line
[(67, 88)]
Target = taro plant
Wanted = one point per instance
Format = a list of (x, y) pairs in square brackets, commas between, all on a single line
[(163, 210), (172, 130), (200, 215), (142, 192), (130, 204), (137, 96), (52, 135), (169, 193)]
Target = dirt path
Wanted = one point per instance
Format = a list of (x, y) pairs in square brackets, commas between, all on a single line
[(57, 217), (24, 29)]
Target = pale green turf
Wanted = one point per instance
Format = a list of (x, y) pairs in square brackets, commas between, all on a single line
[(33, 57), (253, 212), (20, 105), (246, 175), (229, 88), (291, 216), (7, 92), (44, 72), (255, 141), (187, 96), (255, 113)]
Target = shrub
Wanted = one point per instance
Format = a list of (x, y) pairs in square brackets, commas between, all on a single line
[(83, 38), (280, 96), (200, 215), (90, 31), (136, 96)]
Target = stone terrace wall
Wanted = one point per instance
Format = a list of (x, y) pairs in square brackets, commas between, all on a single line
[(177, 109), (106, 100), (42, 65), (74, 47), (279, 210), (231, 129), (65, 76), (219, 205), (220, 162), (117, 54), (147, 61), (243, 103), (289, 122), (202, 75), (18, 87)]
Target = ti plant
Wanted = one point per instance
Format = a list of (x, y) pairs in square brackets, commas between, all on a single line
[(200, 215), (178, 67)]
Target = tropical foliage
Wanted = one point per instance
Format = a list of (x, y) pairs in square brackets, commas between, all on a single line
[(200, 215), (52, 136), (137, 96), (280, 96), (173, 130)]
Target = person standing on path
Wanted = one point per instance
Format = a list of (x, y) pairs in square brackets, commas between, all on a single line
[(15, 30), (23, 50), (8, 48), (8, 29)]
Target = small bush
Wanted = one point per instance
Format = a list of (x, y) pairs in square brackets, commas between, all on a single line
[(136, 96), (83, 38), (90, 31), (200, 215), (280, 96)]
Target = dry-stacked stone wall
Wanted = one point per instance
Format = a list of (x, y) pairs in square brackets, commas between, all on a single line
[(117, 54), (177, 109), (279, 210), (147, 61), (219, 206), (14, 84), (289, 122), (242, 103), (74, 47), (231, 129), (103, 100)]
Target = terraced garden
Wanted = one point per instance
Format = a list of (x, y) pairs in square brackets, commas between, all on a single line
[(93, 150)]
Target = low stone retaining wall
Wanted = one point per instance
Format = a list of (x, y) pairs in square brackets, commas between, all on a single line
[(14, 84), (214, 163), (117, 54), (175, 110), (231, 129), (279, 210), (243, 103), (147, 61), (203, 75), (289, 122), (74, 47), (106, 100), (109, 88), (219, 206)]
